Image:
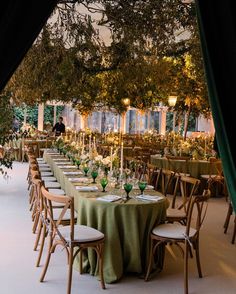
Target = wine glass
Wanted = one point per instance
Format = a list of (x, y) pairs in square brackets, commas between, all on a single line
[(86, 169), (142, 186), (78, 162), (142, 183), (73, 159), (94, 175), (69, 156), (103, 183), (128, 187)]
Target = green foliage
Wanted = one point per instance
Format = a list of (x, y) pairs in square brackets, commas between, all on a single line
[(6, 117), (151, 49), (32, 114)]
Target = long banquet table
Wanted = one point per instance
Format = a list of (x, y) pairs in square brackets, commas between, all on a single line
[(126, 226)]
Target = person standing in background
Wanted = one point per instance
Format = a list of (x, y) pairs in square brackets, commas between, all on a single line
[(59, 127), (15, 124)]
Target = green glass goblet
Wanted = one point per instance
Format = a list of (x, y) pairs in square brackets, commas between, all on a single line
[(94, 175), (86, 169), (142, 186), (103, 183), (77, 161), (73, 159), (128, 187)]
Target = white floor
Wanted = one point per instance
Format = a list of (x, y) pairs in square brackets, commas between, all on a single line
[(18, 274)]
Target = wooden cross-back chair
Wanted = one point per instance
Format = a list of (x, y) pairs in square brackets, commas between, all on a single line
[(74, 238), (166, 180), (189, 188), (187, 235), (153, 175), (230, 212), (39, 218), (180, 166), (215, 177)]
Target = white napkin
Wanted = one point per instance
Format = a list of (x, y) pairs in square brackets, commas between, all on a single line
[(61, 162), (87, 188), (66, 166), (79, 180), (149, 197), (73, 173), (109, 198)]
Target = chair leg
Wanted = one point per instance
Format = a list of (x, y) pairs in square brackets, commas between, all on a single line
[(226, 224), (31, 195), (48, 258), (186, 268), (40, 225), (100, 255), (32, 203), (198, 258), (81, 261), (234, 233), (70, 270), (43, 237), (36, 221)]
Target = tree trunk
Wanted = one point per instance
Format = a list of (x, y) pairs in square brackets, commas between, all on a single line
[(186, 121)]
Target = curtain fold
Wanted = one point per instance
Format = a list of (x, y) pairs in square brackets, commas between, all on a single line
[(217, 25), (20, 24)]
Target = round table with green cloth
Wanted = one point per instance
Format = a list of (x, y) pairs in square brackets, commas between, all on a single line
[(126, 226), (196, 168)]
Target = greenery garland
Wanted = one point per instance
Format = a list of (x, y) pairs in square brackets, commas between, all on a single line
[(143, 59)]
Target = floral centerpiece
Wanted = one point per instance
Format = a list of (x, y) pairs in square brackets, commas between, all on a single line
[(84, 163), (127, 174), (105, 165), (112, 139)]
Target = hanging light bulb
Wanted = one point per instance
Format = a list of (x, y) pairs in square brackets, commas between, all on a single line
[(126, 101)]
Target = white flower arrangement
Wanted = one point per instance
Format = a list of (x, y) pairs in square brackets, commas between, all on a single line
[(106, 161), (98, 158), (73, 144)]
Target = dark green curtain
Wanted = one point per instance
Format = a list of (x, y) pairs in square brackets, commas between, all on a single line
[(20, 23), (217, 24)]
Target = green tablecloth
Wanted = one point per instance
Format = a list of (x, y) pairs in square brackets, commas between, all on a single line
[(126, 226), (195, 167)]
